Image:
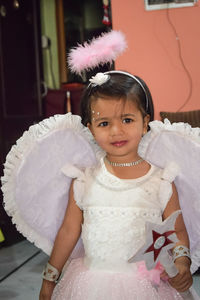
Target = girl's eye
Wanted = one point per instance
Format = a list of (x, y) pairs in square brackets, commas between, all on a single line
[(127, 120), (103, 124)]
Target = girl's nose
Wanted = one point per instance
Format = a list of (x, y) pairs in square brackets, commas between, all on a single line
[(116, 129)]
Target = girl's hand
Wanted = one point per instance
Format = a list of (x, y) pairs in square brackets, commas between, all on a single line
[(183, 280), (46, 290)]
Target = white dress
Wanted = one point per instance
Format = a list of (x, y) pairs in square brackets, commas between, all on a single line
[(115, 211)]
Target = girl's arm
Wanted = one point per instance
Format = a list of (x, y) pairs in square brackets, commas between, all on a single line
[(65, 241), (183, 280)]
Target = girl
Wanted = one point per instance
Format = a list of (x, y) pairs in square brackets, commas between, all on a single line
[(119, 195)]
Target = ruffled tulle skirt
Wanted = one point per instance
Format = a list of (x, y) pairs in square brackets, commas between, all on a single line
[(81, 283)]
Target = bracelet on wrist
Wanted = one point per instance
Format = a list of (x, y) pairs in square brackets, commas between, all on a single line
[(180, 251), (50, 273)]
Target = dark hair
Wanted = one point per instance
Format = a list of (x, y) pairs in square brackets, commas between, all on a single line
[(119, 86)]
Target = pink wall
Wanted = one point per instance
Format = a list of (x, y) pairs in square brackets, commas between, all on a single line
[(153, 51)]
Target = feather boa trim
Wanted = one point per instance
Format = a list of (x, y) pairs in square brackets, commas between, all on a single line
[(101, 50)]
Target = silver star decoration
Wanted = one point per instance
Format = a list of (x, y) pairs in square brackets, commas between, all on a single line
[(160, 238)]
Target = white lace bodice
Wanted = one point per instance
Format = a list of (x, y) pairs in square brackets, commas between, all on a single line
[(115, 211)]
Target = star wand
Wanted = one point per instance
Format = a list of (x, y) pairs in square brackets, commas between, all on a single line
[(160, 238)]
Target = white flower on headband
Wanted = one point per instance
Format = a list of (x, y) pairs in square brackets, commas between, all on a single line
[(99, 79)]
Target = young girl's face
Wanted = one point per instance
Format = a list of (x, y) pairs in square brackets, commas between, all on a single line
[(117, 126)]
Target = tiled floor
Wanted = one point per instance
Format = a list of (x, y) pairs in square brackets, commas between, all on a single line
[(20, 272)]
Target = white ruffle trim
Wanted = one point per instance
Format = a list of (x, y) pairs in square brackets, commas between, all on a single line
[(16, 157), (157, 127), (170, 172), (79, 184), (37, 131)]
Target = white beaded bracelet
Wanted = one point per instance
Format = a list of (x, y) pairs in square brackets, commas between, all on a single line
[(50, 273), (180, 251)]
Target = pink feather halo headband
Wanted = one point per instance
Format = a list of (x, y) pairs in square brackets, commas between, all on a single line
[(101, 50)]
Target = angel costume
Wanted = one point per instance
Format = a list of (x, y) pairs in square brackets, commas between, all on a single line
[(115, 210)]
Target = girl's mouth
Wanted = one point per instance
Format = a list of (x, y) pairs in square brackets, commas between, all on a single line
[(119, 143)]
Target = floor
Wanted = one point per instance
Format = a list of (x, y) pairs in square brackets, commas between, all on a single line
[(21, 266), (20, 272)]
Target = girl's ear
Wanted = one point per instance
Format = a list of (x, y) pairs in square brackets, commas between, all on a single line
[(146, 122)]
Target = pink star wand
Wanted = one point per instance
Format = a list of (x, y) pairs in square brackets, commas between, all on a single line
[(160, 238)]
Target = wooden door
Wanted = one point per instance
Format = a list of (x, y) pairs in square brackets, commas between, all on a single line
[(20, 80)]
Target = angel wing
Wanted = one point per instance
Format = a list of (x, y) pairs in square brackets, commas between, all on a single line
[(35, 189), (179, 142)]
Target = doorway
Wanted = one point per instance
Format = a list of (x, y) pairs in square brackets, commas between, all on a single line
[(82, 21)]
